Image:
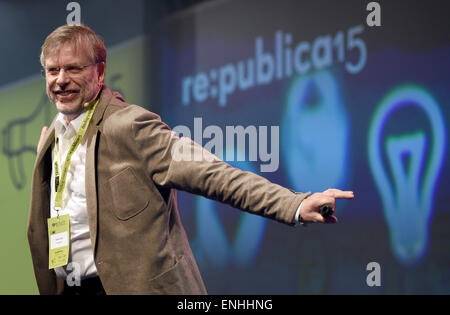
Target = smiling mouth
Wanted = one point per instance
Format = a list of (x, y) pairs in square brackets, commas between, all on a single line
[(65, 92)]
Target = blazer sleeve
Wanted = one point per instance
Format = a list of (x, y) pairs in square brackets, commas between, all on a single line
[(182, 164)]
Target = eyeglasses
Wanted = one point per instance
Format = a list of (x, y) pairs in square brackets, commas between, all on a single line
[(71, 70)]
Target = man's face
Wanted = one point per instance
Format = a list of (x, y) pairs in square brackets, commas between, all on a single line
[(72, 79)]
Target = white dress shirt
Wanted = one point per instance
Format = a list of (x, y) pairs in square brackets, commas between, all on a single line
[(73, 201)]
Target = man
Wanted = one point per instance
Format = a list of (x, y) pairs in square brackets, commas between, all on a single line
[(111, 170)]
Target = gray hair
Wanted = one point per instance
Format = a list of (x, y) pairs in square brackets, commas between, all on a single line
[(81, 36)]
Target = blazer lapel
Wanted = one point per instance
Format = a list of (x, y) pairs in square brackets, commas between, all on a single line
[(91, 185), (92, 135)]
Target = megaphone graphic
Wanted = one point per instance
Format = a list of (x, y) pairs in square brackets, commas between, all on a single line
[(17, 142)]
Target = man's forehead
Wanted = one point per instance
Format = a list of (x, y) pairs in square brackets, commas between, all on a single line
[(67, 53)]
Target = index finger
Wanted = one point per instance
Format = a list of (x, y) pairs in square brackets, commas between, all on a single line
[(340, 194)]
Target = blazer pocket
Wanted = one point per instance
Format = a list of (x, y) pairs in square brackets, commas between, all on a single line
[(170, 281), (129, 195)]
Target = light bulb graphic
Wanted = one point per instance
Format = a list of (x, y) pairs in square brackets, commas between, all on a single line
[(212, 241), (314, 134), (408, 199)]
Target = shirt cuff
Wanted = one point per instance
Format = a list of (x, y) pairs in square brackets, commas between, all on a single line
[(297, 215)]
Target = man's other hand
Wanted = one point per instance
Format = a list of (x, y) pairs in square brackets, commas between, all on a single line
[(41, 138)]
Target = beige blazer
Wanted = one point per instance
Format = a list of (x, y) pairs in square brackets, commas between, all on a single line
[(133, 168)]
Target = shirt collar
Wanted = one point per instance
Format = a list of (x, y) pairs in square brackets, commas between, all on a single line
[(61, 125)]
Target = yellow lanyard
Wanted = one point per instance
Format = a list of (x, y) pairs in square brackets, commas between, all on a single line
[(60, 182)]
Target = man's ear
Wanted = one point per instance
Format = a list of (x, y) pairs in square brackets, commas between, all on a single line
[(101, 69)]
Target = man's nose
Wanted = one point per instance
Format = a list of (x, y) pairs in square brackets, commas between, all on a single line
[(63, 78)]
